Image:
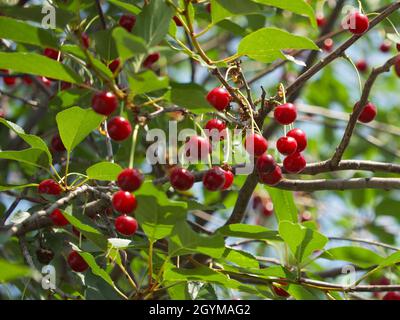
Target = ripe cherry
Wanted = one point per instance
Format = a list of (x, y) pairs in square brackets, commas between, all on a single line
[(208, 7), (49, 186), (321, 20), (362, 65), (104, 103), (181, 179), (214, 179), (229, 176), (56, 143), (45, 81), (197, 148), (256, 144), (286, 145), (85, 40), (216, 124), (328, 45), (257, 202), (280, 291), (178, 21), (58, 218), (219, 98), (65, 85), (356, 23), (151, 59), (27, 79), (127, 21), (114, 65), (130, 179), (273, 177), (391, 296), (119, 128), (126, 225), (368, 113), (385, 46), (265, 164), (300, 138), (397, 66), (10, 81), (285, 113), (294, 163), (267, 209), (52, 53), (124, 202), (76, 262), (306, 216), (398, 46)]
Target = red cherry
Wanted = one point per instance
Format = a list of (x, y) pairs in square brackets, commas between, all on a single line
[(76, 262), (119, 128), (391, 296), (219, 98), (265, 164), (256, 144), (126, 225), (382, 281), (197, 148), (273, 177), (300, 138), (398, 46), (286, 145), (305, 216), (216, 124), (229, 176), (285, 113), (49, 186), (397, 66), (85, 40), (130, 179), (385, 46), (257, 202), (357, 23), (321, 20), (124, 202), (52, 53), (45, 81), (10, 81), (127, 21), (57, 144), (328, 45), (151, 59), (294, 163), (58, 218), (114, 65), (280, 292), (362, 65), (65, 85), (214, 179), (178, 21), (27, 79), (181, 179), (368, 114), (76, 232), (268, 209), (104, 103), (208, 7)]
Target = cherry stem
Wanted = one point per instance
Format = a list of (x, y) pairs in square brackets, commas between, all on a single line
[(355, 68), (133, 147)]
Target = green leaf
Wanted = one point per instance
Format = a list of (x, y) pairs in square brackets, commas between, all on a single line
[(297, 6), (302, 241), (36, 64), (388, 207), (185, 241), (265, 45), (34, 141), (32, 156), (248, 231), (222, 9), (15, 187), (152, 23), (391, 260), (359, 256), (189, 95), (146, 82), (241, 258), (71, 98), (12, 271), (157, 219), (23, 32), (89, 232), (284, 206), (96, 269), (75, 124), (126, 6), (127, 44), (105, 171)]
